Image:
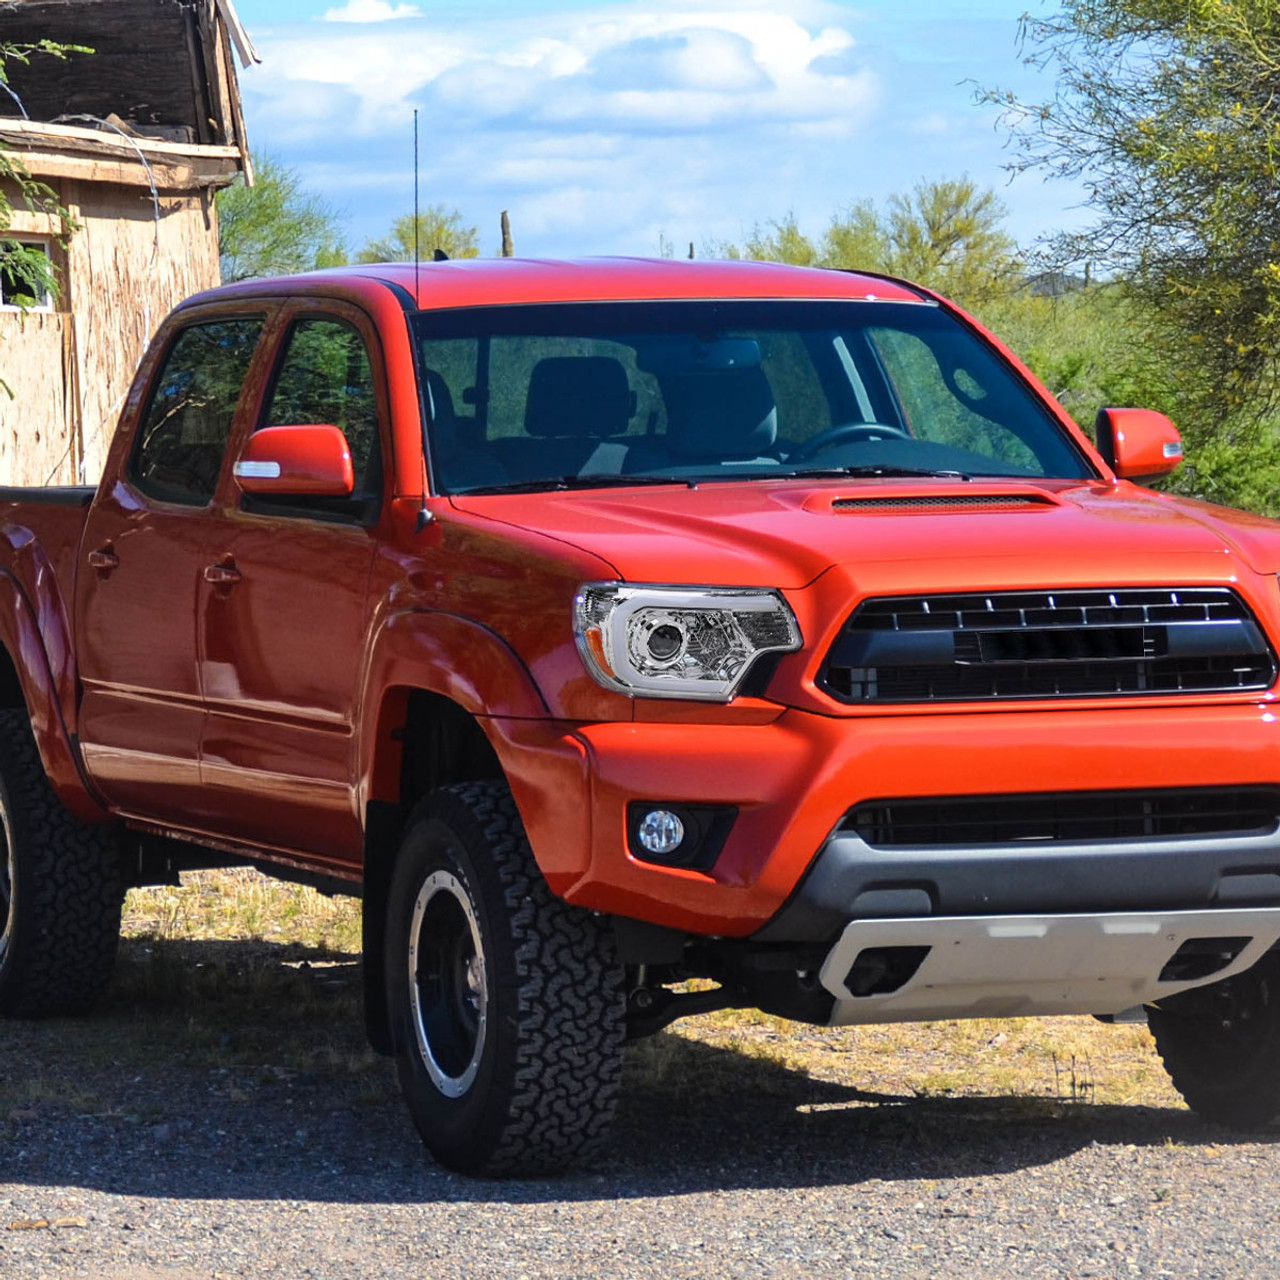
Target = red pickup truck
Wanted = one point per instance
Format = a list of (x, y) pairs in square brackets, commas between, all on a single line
[(611, 624)]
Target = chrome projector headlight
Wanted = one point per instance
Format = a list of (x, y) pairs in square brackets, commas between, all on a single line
[(679, 642)]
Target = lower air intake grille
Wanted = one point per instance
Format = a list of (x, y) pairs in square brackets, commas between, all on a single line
[(1048, 644), (1069, 816)]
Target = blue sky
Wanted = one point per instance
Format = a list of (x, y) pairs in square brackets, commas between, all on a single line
[(607, 126)]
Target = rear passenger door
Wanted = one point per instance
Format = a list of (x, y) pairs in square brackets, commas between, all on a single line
[(282, 611), (144, 548)]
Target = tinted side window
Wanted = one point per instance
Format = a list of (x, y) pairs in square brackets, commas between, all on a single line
[(326, 377), (179, 449)]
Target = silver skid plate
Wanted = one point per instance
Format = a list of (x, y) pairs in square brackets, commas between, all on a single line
[(1020, 966)]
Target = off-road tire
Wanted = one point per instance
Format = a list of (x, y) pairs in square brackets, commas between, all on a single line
[(60, 890), (1221, 1046), (523, 1052)]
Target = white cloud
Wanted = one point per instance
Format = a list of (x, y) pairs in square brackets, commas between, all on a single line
[(370, 11), (602, 128), (664, 68)]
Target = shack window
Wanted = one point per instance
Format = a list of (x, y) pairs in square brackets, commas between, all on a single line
[(178, 453), (20, 282)]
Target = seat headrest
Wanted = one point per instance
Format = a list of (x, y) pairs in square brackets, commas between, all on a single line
[(444, 418), (579, 396), (720, 413)]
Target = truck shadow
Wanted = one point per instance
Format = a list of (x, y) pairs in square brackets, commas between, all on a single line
[(238, 1070)]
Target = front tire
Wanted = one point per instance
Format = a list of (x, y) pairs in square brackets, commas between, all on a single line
[(507, 1004), (60, 890), (1220, 1045)]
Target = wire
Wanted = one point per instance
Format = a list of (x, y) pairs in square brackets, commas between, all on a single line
[(16, 99), (151, 177)]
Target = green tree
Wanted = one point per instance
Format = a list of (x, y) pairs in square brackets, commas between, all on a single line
[(859, 238), (1169, 112), (781, 241), (947, 235), (275, 227), (438, 228)]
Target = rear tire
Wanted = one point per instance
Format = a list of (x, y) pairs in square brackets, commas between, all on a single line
[(1221, 1046), (507, 1004), (60, 890)]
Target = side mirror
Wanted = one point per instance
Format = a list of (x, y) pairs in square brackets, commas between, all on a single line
[(310, 461), (1138, 444)]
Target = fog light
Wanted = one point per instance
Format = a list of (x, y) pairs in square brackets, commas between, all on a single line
[(660, 832)]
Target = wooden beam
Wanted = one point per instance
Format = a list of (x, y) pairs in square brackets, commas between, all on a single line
[(66, 135), (130, 173), (241, 138), (204, 126), (214, 75)]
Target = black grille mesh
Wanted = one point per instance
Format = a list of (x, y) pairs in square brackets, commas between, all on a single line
[(1041, 644), (1069, 816)]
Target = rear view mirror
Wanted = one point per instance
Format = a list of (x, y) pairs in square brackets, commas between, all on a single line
[(1138, 444), (310, 461), (664, 355)]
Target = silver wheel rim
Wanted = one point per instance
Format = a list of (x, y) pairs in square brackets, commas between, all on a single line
[(448, 985)]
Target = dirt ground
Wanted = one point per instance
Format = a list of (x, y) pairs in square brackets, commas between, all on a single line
[(221, 1117)]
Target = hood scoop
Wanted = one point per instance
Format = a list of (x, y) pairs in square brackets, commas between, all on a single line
[(931, 502)]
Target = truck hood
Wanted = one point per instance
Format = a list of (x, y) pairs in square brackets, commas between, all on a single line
[(787, 533)]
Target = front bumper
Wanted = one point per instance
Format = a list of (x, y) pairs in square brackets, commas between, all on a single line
[(849, 880), (794, 778)]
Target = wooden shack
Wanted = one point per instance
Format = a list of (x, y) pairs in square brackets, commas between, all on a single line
[(134, 139)]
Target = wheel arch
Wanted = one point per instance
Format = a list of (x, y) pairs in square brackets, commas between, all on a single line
[(37, 675), (424, 740), (446, 700)]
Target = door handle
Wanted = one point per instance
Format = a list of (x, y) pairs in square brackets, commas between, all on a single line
[(222, 575), (104, 560)]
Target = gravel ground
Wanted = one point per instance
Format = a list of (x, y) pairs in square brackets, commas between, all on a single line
[(184, 1160)]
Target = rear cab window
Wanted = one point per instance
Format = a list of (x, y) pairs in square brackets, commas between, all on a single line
[(182, 440)]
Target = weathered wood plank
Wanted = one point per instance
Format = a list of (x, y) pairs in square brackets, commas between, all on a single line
[(139, 71), (48, 164), (37, 432)]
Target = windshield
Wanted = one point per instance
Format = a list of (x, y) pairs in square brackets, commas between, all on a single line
[(594, 394)]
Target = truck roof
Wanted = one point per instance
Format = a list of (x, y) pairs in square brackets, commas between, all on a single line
[(470, 282)]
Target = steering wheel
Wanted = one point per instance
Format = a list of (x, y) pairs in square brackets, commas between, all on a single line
[(843, 432)]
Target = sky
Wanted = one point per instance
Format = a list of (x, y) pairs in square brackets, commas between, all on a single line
[(615, 126)]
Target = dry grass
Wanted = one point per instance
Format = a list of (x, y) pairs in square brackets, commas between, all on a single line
[(240, 904), (233, 980), (237, 970), (1064, 1060)]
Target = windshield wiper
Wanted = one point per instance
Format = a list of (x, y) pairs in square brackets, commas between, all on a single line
[(875, 469), (558, 483)]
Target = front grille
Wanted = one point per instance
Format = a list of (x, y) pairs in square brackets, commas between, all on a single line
[(1071, 816), (1048, 644), (943, 502)]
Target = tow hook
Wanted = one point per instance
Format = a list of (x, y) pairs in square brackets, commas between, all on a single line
[(650, 1009)]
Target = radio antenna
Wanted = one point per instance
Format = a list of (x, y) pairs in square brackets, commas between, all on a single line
[(415, 207)]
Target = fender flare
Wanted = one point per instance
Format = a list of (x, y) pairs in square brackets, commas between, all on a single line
[(441, 653), (44, 686)]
